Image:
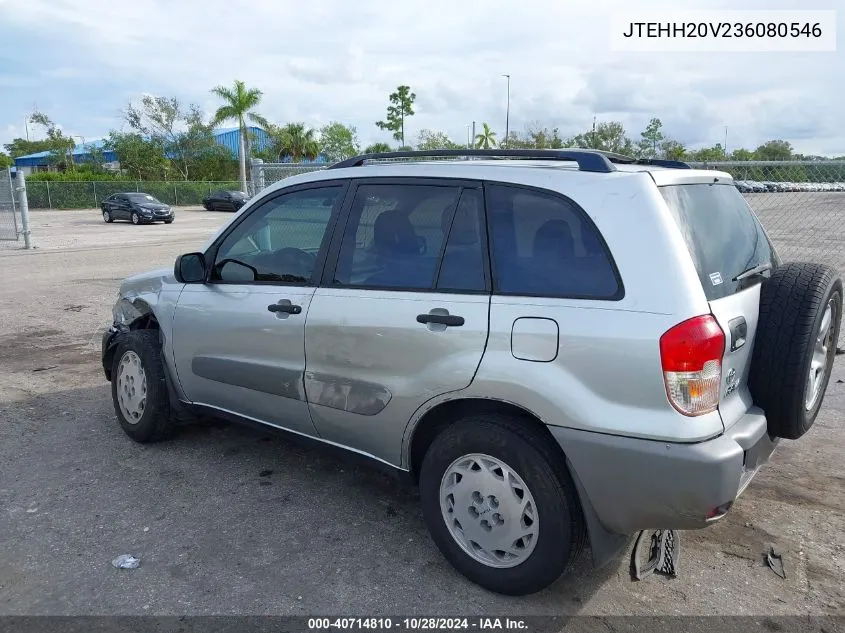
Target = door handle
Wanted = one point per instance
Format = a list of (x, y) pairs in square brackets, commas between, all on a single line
[(285, 306), (450, 320)]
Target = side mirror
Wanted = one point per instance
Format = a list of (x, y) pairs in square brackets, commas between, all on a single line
[(190, 268)]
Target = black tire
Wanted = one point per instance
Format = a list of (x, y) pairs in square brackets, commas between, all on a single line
[(155, 423), (168, 221), (136, 219), (107, 217), (562, 533), (793, 302)]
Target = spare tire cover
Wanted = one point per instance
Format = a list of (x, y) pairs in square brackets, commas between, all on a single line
[(795, 345)]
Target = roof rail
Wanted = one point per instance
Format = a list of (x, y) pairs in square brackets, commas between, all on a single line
[(622, 159), (587, 159)]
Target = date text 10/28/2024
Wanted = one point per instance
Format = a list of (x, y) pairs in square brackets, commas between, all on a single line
[(417, 624)]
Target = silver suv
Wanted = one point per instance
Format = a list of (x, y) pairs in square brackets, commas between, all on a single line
[(558, 347)]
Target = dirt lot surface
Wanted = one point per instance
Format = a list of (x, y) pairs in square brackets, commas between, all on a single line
[(228, 520)]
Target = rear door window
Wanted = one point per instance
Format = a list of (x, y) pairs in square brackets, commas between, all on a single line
[(723, 236), (545, 245)]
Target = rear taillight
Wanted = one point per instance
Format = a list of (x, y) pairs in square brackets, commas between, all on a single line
[(691, 355)]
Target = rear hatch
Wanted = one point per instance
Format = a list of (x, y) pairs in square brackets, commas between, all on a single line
[(732, 254)]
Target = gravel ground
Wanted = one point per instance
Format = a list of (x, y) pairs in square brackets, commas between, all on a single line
[(227, 520)]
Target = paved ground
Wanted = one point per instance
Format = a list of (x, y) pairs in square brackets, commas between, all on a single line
[(232, 521)]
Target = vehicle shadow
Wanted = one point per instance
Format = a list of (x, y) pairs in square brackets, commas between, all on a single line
[(226, 519)]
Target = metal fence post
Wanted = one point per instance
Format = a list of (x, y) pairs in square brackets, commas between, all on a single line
[(24, 206), (175, 196), (257, 172), (95, 194), (49, 199)]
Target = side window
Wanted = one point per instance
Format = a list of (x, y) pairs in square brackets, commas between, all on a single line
[(462, 267), (394, 236), (280, 240), (542, 244)]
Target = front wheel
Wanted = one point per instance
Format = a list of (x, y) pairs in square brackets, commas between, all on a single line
[(168, 221), (136, 219), (500, 505), (139, 389), (107, 217)]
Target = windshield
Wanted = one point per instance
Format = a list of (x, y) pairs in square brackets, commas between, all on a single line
[(141, 197), (723, 236)]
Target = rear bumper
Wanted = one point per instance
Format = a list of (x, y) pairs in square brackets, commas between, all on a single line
[(635, 484)]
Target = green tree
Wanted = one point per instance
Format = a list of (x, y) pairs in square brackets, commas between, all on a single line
[(377, 148), (742, 154), (339, 141), (433, 140), (23, 147), (295, 141), (401, 106), (518, 141), (609, 136), (485, 139), (60, 146), (6, 161), (239, 105), (774, 150), (542, 138), (180, 131), (651, 139), (708, 154), (673, 150), (141, 158)]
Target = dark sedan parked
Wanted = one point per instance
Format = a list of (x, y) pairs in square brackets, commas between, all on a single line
[(225, 200), (138, 208)]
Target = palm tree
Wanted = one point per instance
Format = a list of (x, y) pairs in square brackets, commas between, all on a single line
[(486, 139), (294, 141), (239, 105)]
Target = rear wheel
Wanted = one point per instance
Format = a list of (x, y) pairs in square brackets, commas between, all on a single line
[(500, 504), (795, 345)]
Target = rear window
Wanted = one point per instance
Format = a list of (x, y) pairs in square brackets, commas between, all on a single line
[(722, 234)]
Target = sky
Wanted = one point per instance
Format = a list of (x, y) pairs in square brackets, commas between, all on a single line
[(83, 61)]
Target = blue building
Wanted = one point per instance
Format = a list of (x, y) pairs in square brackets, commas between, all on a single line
[(40, 161), (227, 137)]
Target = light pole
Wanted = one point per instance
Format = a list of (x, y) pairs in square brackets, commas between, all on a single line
[(508, 110)]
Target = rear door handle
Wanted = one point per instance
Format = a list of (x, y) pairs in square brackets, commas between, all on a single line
[(450, 320), (285, 306)]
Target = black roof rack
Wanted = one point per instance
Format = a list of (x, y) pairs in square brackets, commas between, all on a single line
[(587, 159), (656, 162)]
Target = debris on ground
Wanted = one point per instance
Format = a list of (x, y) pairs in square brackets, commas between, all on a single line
[(126, 561), (775, 562), (663, 554), (44, 368)]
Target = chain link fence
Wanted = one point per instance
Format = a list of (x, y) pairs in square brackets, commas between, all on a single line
[(8, 211), (89, 194)]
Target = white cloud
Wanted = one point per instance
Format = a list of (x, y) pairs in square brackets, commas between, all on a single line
[(82, 60)]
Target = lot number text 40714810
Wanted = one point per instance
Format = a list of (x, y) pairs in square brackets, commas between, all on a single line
[(417, 624)]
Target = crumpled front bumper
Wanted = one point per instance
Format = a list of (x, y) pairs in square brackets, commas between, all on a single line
[(110, 339)]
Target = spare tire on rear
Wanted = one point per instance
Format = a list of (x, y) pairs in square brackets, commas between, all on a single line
[(795, 345)]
